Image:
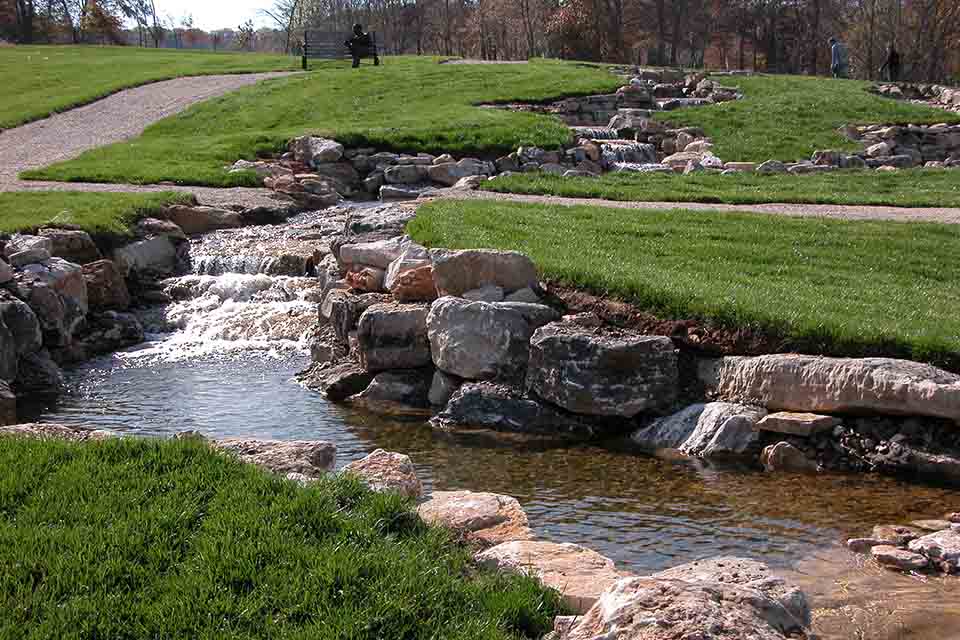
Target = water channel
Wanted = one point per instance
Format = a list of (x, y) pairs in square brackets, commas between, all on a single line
[(222, 360)]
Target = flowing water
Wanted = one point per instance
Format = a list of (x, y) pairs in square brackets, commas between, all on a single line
[(221, 360)]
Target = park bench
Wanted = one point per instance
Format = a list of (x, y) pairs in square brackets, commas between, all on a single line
[(330, 45)]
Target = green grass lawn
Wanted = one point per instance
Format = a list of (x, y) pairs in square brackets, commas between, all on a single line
[(40, 80), (908, 188), (139, 539), (828, 286), (789, 117), (94, 212), (408, 103)]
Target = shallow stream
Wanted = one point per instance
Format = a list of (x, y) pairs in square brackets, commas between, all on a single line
[(222, 359)]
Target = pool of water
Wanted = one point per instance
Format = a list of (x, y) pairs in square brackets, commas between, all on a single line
[(226, 367)]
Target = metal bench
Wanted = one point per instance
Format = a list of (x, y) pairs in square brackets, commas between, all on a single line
[(330, 45)]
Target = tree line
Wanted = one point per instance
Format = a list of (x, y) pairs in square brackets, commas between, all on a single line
[(782, 36)]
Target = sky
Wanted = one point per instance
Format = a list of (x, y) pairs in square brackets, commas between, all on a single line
[(216, 14)]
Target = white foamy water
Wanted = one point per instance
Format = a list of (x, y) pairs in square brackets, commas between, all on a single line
[(232, 313)]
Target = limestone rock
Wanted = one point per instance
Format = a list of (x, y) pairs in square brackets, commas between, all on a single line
[(485, 294), (72, 245), (456, 272), (8, 405), (487, 518), (449, 173), (578, 573), (20, 242), (30, 256), (783, 456), (387, 471), (895, 534), (106, 287), (197, 219), (442, 387), (897, 558), (617, 373), (365, 278), (379, 254), (310, 458), (797, 424), (38, 374), (772, 166), (681, 605), (393, 390), (393, 336), (723, 429), (50, 431), (22, 323), (410, 276), (404, 174), (670, 432), (66, 278), (502, 408), (337, 381), (863, 545), (481, 340), (155, 256), (942, 547), (313, 151), (787, 382)]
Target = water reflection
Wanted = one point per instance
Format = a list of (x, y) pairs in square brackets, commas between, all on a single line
[(646, 513)]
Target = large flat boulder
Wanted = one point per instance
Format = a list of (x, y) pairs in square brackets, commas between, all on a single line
[(579, 574), (804, 383), (482, 340), (487, 518), (450, 173), (52, 431), (311, 459), (697, 602), (456, 272), (393, 336), (614, 373)]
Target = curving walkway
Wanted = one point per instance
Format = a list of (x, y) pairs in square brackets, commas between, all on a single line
[(118, 117), (944, 215)]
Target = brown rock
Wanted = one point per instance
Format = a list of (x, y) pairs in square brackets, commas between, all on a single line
[(896, 535), (387, 471), (487, 518), (783, 456), (578, 573), (73, 245), (897, 558), (456, 272), (106, 286), (797, 424), (197, 219), (364, 278)]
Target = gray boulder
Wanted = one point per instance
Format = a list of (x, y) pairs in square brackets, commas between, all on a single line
[(393, 336), (337, 381), (482, 340), (704, 430), (407, 387), (618, 373), (449, 173)]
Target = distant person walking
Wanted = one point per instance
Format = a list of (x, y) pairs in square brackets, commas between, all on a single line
[(839, 60), (361, 46), (891, 65)]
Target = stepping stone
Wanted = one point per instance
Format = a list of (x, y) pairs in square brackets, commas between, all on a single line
[(897, 558), (578, 573), (797, 424), (487, 518)]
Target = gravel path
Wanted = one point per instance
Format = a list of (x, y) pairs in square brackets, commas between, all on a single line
[(118, 117), (845, 212)]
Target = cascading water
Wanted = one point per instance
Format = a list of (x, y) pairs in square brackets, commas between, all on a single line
[(221, 359)]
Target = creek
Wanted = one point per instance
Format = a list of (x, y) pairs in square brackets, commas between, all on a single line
[(222, 358)]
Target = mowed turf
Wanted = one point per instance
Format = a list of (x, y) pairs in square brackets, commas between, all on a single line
[(907, 188), (93, 212), (789, 117), (40, 80), (408, 103), (140, 539), (827, 286)]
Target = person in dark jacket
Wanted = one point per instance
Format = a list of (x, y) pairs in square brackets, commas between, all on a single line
[(361, 45), (891, 65)]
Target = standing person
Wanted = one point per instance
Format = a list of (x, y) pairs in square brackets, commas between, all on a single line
[(839, 62), (891, 64), (361, 45)]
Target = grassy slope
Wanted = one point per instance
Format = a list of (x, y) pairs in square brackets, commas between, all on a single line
[(789, 117), (94, 212), (912, 188), (79, 75), (147, 539), (831, 286), (408, 103)]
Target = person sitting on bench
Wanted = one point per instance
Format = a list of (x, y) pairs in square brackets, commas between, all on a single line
[(361, 46)]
